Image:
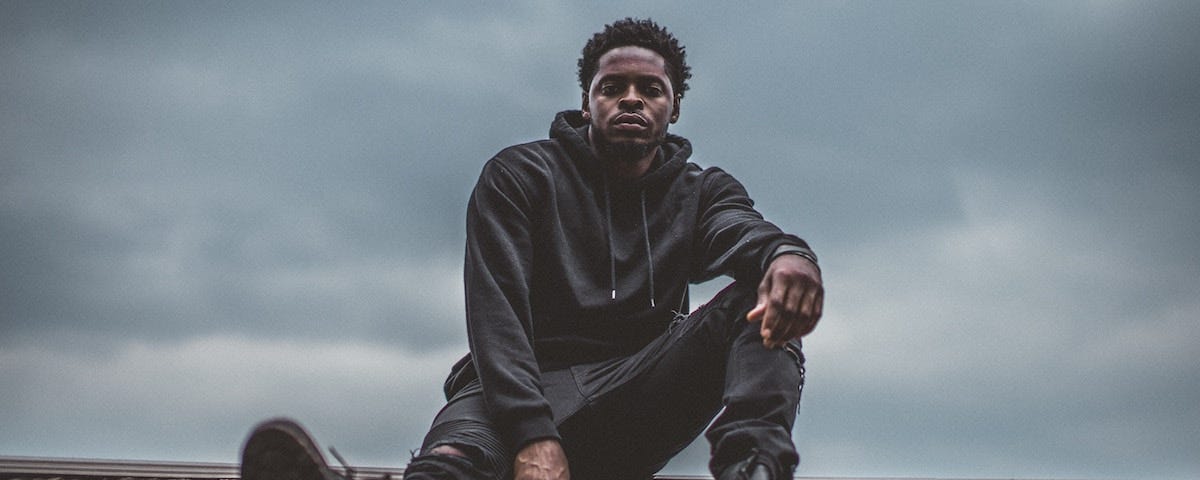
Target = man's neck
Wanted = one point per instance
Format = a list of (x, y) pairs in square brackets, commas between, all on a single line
[(632, 170), (621, 168)]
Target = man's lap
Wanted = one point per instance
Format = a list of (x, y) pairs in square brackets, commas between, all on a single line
[(642, 409)]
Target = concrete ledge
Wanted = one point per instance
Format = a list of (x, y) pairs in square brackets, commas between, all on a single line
[(43, 468)]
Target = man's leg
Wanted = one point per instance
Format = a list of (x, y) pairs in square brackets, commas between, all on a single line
[(652, 404), (461, 444), (761, 398)]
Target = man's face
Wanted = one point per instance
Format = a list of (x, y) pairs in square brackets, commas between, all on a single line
[(630, 103)]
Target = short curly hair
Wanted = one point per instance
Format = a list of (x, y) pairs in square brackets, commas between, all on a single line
[(638, 33)]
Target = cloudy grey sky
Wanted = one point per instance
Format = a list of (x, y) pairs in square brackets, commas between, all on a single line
[(211, 213)]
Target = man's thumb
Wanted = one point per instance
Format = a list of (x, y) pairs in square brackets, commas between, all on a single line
[(755, 314)]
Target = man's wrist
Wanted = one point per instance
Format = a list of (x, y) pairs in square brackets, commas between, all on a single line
[(530, 431), (797, 251)]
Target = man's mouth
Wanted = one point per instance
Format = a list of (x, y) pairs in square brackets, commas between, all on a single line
[(629, 122)]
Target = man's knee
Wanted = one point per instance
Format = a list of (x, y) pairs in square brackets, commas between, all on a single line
[(740, 294), (447, 450), (730, 305), (450, 462), (466, 453)]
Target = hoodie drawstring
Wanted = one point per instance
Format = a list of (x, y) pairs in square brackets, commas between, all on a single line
[(612, 256), (649, 255)]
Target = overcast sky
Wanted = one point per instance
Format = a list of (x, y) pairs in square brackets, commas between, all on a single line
[(212, 213)]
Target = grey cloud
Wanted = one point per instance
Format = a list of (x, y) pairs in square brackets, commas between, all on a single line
[(215, 388)]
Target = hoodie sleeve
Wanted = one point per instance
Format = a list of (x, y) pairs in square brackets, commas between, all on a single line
[(497, 276), (732, 237)]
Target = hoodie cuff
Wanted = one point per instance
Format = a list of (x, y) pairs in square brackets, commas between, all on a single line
[(530, 430), (793, 250)]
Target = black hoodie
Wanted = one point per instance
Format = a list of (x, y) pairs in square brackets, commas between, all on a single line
[(566, 264)]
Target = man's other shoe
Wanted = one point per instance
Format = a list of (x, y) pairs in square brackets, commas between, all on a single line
[(280, 449)]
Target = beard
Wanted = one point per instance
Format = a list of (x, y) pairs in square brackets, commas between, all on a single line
[(627, 152)]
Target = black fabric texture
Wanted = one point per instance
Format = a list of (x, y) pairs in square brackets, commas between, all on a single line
[(561, 258), (627, 417)]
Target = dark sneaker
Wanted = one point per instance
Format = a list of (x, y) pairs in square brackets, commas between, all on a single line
[(280, 449)]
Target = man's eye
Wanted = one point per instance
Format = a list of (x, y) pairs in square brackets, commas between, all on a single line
[(609, 89), (654, 90)]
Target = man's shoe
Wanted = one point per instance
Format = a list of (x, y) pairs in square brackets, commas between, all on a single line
[(280, 449)]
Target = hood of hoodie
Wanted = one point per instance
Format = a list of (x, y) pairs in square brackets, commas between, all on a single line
[(570, 127)]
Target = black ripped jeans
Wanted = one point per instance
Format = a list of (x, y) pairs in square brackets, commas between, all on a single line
[(626, 417)]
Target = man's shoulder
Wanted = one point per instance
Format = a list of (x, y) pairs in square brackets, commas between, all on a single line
[(532, 151), (708, 173), (532, 165), (537, 155)]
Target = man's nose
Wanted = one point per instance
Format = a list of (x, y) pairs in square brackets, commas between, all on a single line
[(631, 100)]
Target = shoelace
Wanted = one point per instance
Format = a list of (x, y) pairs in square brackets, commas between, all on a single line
[(350, 471)]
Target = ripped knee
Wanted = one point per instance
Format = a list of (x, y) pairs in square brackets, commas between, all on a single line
[(466, 444), (447, 450), (450, 462)]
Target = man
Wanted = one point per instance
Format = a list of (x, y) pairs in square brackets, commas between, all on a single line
[(579, 252)]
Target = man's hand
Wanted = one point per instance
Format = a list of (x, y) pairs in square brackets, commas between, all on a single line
[(541, 460), (790, 300)]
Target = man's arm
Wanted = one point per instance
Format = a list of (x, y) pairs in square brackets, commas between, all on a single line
[(735, 239), (497, 275)]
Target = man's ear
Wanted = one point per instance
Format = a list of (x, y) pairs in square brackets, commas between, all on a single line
[(675, 109), (587, 110)]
